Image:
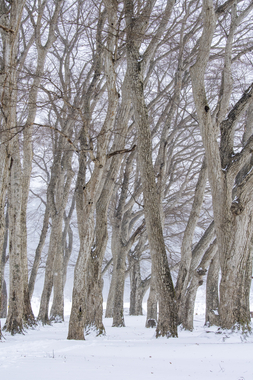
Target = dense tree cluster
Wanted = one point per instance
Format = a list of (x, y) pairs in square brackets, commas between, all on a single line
[(126, 126)]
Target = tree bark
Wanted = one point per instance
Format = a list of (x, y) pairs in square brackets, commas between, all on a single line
[(196, 281), (14, 322), (151, 320), (88, 194), (167, 323), (212, 293), (232, 217), (186, 250)]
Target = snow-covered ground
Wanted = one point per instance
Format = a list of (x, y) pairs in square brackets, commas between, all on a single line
[(130, 353)]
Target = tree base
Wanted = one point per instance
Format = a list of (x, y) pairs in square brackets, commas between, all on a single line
[(56, 319), (165, 330), (14, 327), (151, 323), (98, 331), (76, 335)]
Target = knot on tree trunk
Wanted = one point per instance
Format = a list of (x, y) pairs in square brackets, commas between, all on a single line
[(236, 207), (201, 272)]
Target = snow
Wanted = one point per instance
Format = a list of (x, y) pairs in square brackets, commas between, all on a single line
[(126, 353)]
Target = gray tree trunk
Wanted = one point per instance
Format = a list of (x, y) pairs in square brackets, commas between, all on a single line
[(151, 320), (186, 250), (4, 243), (54, 245), (14, 322), (232, 217), (212, 292), (167, 323), (196, 281), (88, 194)]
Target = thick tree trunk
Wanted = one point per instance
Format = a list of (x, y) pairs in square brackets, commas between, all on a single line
[(94, 297), (14, 322), (12, 20), (78, 310), (236, 272), (212, 293), (3, 243), (232, 217), (4, 228), (3, 302)]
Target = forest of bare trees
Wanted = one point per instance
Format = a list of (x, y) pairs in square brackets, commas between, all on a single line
[(126, 140)]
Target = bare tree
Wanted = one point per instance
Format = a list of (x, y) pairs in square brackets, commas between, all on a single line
[(232, 215), (88, 192)]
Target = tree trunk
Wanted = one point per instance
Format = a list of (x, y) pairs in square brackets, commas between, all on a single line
[(12, 20), (3, 302), (54, 245), (78, 310), (138, 287), (186, 250), (119, 267), (57, 310), (236, 270), (94, 297), (110, 297), (212, 293), (95, 283), (196, 281), (14, 322), (88, 193), (135, 282), (167, 323), (4, 243), (151, 320), (38, 252), (232, 217)]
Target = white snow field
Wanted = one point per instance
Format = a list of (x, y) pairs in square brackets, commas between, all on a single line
[(130, 353)]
